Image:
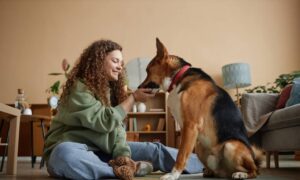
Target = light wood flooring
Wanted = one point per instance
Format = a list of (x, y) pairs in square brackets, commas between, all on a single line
[(289, 170)]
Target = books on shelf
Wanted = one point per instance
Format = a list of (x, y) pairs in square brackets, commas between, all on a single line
[(132, 124), (160, 124)]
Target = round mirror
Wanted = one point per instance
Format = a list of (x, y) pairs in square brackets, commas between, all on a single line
[(136, 72)]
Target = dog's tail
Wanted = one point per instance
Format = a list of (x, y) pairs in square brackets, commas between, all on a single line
[(258, 156)]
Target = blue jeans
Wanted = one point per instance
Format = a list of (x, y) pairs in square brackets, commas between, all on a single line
[(74, 160)]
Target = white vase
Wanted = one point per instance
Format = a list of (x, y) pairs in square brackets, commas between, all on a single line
[(141, 107), (27, 111), (134, 108)]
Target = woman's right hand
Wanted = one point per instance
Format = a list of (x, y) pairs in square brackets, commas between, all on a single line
[(142, 95)]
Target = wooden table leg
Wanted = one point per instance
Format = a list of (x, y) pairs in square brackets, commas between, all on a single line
[(13, 145)]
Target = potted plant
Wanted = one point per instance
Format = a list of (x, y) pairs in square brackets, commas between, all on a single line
[(280, 82), (54, 89)]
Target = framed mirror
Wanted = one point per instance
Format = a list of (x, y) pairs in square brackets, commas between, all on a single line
[(136, 71)]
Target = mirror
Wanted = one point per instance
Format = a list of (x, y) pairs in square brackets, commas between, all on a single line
[(136, 71)]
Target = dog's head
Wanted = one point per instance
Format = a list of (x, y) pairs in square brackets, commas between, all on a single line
[(160, 68)]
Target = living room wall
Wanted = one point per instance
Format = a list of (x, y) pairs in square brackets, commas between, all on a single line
[(36, 35)]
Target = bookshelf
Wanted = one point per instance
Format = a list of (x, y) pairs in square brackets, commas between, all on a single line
[(151, 125)]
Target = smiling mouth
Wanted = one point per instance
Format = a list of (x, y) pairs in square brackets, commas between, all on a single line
[(115, 74)]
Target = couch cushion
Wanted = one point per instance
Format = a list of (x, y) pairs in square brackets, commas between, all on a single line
[(283, 118), (294, 95)]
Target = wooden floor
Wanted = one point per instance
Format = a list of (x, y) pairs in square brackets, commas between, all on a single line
[(289, 170)]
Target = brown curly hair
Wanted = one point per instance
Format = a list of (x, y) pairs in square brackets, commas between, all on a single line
[(90, 69)]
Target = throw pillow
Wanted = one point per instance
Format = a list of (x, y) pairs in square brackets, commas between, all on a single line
[(283, 97), (294, 96), (297, 80)]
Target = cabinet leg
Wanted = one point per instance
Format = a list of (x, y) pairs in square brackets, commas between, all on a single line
[(33, 158), (276, 160), (268, 159)]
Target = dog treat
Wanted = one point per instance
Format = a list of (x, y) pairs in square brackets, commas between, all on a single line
[(154, 91)]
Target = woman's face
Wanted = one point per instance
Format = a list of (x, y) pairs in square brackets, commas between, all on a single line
[(113, 64)]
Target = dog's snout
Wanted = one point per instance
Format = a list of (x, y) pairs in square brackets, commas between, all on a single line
[(150, 85)]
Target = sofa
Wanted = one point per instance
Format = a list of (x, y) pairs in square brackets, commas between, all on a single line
[(274, 130)]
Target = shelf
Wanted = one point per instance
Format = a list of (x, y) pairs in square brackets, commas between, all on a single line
[(151, 125), (147, 132), (130, 114)]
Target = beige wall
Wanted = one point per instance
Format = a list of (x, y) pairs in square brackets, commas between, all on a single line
[(36, 35)]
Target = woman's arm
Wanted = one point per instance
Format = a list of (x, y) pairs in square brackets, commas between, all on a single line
[(140, 95), (84, 110)]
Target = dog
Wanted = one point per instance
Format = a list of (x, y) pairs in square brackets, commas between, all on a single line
[(209, 119)]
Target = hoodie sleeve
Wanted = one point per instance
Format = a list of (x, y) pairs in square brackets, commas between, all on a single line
[(121, 148), (83, 109)]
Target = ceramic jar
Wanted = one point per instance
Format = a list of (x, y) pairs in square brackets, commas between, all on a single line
[(141, 107)]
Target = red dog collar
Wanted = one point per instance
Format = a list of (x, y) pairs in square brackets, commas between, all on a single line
[(177, 76)]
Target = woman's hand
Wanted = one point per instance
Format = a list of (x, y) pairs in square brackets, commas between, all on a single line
[(142, 95)]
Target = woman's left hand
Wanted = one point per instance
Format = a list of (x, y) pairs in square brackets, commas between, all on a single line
[(142, 95)]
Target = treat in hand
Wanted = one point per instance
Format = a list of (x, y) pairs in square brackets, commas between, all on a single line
[(154, 91)]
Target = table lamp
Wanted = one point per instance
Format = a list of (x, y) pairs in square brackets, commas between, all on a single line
[(236, 75)]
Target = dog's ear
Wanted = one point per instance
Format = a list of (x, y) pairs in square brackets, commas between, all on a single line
[(161, 49)]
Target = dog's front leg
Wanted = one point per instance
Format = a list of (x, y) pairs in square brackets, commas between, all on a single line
[(188, 139)]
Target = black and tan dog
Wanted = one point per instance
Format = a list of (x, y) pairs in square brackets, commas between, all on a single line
[(208, 117)]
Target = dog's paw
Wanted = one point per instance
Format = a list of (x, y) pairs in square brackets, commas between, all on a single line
[(239, 175), (168, 176)]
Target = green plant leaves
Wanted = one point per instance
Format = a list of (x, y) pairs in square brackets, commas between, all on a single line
[(280, 82), (55, 88)]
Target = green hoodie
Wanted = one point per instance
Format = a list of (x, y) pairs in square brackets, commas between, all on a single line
[(84, 119)]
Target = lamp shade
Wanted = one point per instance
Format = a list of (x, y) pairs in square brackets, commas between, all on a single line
[(236, 75)]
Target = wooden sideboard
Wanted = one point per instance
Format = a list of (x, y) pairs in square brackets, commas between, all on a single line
[(297, 155)]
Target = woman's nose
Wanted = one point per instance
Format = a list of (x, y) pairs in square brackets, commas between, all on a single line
[(119, 67)]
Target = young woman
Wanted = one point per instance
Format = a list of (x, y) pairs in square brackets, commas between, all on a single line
[(88, 129)]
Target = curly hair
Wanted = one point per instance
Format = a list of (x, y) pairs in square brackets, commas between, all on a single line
[(90, 69)]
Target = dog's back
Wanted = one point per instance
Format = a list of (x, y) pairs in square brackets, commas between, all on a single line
[(229, 119), (231, 151)]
